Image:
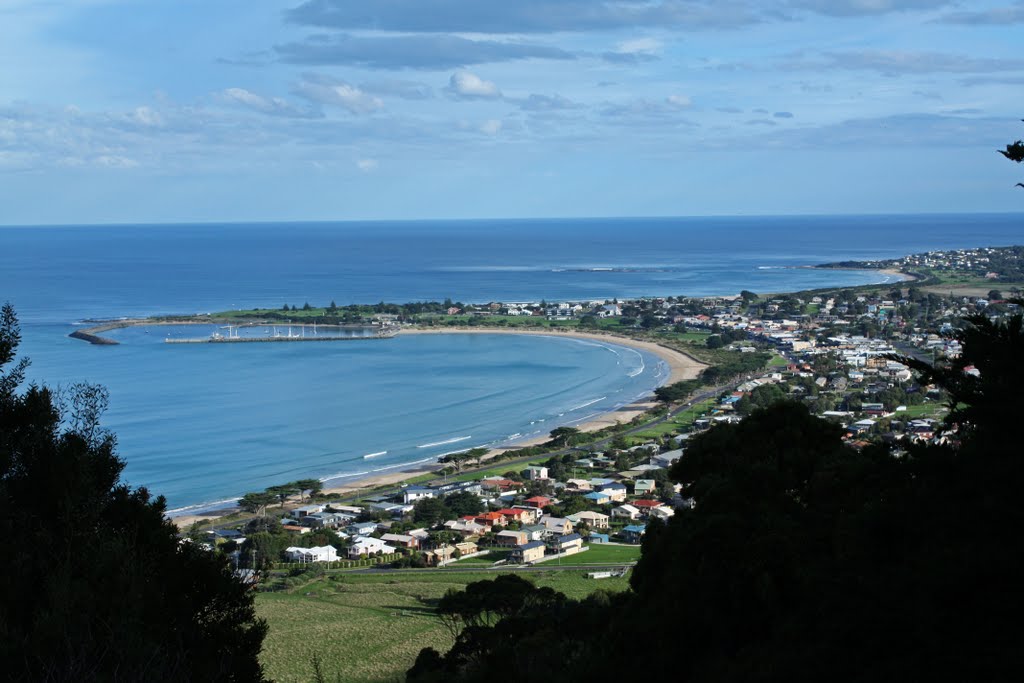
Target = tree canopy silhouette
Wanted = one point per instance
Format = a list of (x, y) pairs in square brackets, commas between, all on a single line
[(95, 584), (804, 559)]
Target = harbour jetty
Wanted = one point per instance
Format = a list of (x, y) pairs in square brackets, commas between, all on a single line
[(234, 333), (234, 337)]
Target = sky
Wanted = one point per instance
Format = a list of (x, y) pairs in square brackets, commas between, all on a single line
[(115, 111)]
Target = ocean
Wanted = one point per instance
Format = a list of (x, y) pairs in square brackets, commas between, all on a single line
[(205, 423)]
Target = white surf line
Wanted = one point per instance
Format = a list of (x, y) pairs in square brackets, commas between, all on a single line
[(444, 443), (584, 405), (374, 455)]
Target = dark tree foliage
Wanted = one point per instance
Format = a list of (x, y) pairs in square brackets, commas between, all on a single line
[(807, 560), (94, 584), (464, 503), (430, 511), (1014, 152)]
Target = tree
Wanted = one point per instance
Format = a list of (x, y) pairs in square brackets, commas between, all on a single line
[(256, 502), (97, 585), (1014, 152), (309, 487), (284, 491), (431, 511), (563, 436), (464, 503)]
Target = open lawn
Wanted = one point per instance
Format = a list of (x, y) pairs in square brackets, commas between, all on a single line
[(370, 627), (601, 553), (680, 423), (933, 409)]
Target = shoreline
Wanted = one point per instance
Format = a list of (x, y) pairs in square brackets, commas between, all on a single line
[(680, 366)]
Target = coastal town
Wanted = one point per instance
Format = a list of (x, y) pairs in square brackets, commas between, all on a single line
[(845, 354)]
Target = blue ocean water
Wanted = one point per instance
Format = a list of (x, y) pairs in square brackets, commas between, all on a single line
[(205, 423)]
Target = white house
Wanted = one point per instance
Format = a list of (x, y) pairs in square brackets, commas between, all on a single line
[(367, 545), (626, 512), (324, 553), (662, 513)]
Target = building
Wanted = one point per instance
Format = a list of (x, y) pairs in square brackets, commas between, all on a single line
[(535, 473), (634, 533), (538, 502), (626, 512), (367, 545), (527, 553), (568, 544), (594, 520), (324, 553), (556, 526)]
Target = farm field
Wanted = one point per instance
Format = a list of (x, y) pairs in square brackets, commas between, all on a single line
[(370, 627)]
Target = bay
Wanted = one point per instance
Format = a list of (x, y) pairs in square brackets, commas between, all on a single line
[(200, 424)]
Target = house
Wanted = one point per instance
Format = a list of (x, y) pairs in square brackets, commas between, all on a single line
[(539, 502), (644, 486), (599, 497), (667, 458), (535, 473), (306, 510), (626, 512), (556, 526), (510, 538), (362, 528), (527, 553), (402, 540), (440, 555), (662, 513), (594, 520), (529, 514), (413, 493), (615, 491), (578, 485), (466, 528), (500, 484), (511, 514), (367, 545), (645, 506), (595, 538), (295, 528), (327, 520), (535, 532), (567, 544), (467, 548), (490, 519), (324, 553), (633, 533)]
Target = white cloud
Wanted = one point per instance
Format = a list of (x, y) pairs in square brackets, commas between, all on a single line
[(491, 127), (639, 45), (678, 101), (325, 90), (274, 106), (147, 117), (367, 165), (466, 85)]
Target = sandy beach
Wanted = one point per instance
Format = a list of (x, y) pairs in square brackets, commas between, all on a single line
[(680, 366)]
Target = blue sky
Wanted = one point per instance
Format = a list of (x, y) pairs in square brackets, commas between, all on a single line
[(223, 110)]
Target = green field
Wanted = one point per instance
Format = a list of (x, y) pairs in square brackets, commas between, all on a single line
[(370, 627), (680, 423), (600, 553)]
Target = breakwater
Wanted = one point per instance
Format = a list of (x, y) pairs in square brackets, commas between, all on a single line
[(239, 340)]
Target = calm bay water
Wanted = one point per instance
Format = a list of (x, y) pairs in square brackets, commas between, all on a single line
[(204, 423)]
